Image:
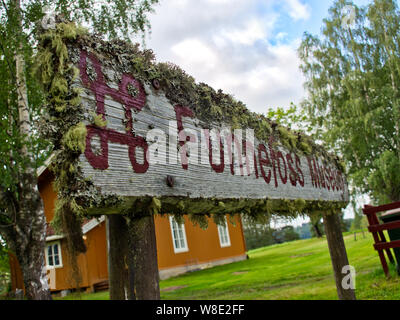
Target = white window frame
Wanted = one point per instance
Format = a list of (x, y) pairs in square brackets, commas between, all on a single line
[(221, 229), (185, 248), (60, 265)]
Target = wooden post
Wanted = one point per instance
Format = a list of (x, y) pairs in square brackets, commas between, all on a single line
[(130, 284), (132, 258), (117, 242), (373, 220), (144, 249), (338, 254)]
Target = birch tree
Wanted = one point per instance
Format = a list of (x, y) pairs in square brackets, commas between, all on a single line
[(352, 72)]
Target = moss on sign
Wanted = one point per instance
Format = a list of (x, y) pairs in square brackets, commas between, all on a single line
[(65, 125)]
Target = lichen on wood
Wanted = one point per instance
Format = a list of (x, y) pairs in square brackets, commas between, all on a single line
[(62, 125), (59, 52)]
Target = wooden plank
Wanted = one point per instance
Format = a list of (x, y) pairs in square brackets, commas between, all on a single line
[(387, 245), (386, 207), (149, 138), (382, 238), (373, 220), (384, 226)]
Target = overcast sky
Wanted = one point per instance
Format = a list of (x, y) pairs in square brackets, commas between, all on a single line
[(245, 47)]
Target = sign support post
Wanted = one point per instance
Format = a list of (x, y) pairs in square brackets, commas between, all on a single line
[(142, 240), (338, 254)]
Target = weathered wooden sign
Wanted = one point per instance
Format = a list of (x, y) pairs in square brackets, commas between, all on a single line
[(133, 136), (143, 140)]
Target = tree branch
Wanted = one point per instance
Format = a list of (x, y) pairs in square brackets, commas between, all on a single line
[(5, 7)]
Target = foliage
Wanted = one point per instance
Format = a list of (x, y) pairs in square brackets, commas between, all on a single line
[(285, 234), (258, 233), (4, 266), (316, 226), (304, 231), (291, 117), (358, 216), (13, 162), (352, 79)]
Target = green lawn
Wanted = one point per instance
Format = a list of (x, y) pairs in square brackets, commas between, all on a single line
[(290, 271)]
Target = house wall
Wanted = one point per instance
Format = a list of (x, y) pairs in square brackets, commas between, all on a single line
[(45, 185), (204, 245), (64, 278), (204, 248), (96, 256), (92, 264), (17, 282)]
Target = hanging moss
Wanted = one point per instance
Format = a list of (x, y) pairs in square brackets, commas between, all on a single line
[(70, 31), (56, 74), (75, 138), (155, 206), (307, 149), (342, 166), (221, 204), (300, 204), (98, 121), (44, 66), (199, 220), (219, 219)]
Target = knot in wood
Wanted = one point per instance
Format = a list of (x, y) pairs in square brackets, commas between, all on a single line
[(156, 84), (170, 181)]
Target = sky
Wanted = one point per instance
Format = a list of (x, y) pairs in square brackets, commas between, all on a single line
[(247, 48)]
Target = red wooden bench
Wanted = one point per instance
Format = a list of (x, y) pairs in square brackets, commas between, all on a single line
[(377, 228)]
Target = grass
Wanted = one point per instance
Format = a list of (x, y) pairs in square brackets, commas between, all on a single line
[(299, 270)]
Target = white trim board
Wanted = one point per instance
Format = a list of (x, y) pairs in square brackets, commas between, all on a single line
[(90, 225)]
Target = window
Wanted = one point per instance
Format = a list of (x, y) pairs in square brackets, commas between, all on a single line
[(178, 236), (53, 255), (223, 233)]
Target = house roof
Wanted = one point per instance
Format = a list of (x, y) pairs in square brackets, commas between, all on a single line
[(87, 225), (45, 166)]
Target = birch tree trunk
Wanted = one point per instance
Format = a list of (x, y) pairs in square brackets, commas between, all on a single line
[(30, 222)]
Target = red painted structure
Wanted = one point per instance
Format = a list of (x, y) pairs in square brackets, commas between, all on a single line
[(377, 228)]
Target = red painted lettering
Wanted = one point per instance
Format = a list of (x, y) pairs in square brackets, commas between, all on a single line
[(181, 112), (280, 157), (292, 172), (220, 167), (264, 161), (299, 171), (99, 87)]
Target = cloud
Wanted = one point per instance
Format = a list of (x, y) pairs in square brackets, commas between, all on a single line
[(196, 53), (298, 10), (248, 34), (228, 45)]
